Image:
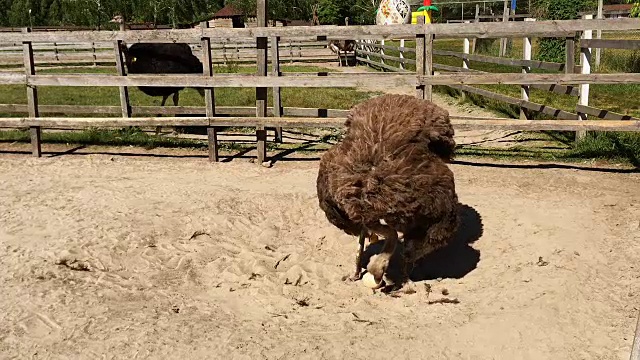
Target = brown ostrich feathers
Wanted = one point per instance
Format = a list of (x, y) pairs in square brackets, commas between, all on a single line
[(392, 166)]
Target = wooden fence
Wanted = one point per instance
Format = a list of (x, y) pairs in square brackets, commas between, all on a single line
[(222, 52), (374, 55), (422, 79)]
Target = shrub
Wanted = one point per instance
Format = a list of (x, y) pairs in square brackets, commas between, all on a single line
[(553, 49)]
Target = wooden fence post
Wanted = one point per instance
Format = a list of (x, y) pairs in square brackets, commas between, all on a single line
[(275, 70), (476, 20), (402, 54), (124, 91), (290, 52), (585, 62), (55, 51), (93, 53), (32, 95), (261, 92), (381, 52), (424, 60), (209, 95), (525, 89), (420, 62)]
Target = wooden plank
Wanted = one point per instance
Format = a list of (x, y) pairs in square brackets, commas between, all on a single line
[(387, 57), (379, 64), (32, 97), (560, 114), (558, 89), (275, 70), (325, 81), (530, 79), (261, 92), (635, 347), (329, 81), (534, 64), (553, 28), (603, 114), (220, 80), (209, 96), (610, 44), (458, 122), (124, 91), (183, 110)]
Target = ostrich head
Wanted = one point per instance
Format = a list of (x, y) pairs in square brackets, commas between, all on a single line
[(118, 19)]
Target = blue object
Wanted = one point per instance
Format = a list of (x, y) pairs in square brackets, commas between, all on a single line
[(513, 5)]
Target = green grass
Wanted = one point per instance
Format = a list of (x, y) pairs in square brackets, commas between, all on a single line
[(335, 98)]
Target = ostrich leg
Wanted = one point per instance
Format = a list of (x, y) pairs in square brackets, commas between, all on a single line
[(379, 263), (361, 238), (176, 97), (159, 128)]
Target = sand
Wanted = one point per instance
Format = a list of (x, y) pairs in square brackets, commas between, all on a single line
[(128, 257)]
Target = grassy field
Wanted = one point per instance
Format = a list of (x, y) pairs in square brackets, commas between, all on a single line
[(334, 98), (611, 97)]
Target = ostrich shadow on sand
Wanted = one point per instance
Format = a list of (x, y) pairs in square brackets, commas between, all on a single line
[(453, 261)]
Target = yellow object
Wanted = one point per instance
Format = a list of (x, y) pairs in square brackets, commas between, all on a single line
[(425, 13)]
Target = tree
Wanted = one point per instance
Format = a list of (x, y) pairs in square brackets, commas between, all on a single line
[(553, 49), (635, 10)]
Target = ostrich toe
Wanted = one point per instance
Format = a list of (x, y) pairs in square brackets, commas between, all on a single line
[(373, 238)]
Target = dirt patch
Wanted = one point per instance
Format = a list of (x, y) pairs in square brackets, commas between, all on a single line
[(189, 259)]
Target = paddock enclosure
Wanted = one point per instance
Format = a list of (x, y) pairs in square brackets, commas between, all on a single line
[(268, 40)]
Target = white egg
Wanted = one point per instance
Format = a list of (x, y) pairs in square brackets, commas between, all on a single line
[(369, 281)]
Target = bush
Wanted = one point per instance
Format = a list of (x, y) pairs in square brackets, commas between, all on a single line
[(553, 49)]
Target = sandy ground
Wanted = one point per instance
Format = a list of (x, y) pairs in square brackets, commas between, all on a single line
[(124, 257)]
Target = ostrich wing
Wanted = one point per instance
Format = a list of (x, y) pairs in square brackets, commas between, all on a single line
[(332, 210)]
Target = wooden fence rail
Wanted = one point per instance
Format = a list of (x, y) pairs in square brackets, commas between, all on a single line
[(211, 117), (221, 53)]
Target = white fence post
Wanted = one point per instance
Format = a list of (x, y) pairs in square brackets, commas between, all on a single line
[(382, 52), (525, 89), (401, 54), (599, 36), (465, 61), (585, 62), (465, 50)]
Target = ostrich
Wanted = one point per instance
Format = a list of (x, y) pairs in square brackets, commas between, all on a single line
[(342, 45), (389, 175), (160, 58)]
